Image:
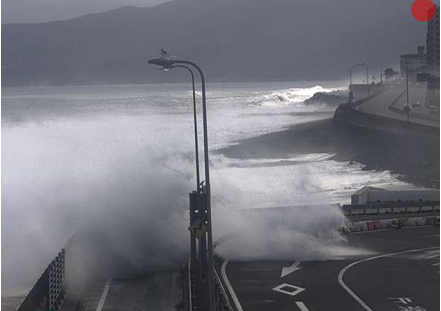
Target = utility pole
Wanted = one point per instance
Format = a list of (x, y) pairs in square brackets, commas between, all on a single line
[(367, 74), (350, 72), (407, 94)]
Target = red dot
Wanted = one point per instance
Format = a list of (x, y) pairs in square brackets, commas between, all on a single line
[(423, 10)]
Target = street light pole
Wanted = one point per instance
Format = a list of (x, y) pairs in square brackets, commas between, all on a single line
[(407, 93), (381, 75), (351, 94), (350, 72), (167, 63), (196, 144), (207, 185), (367, 74)]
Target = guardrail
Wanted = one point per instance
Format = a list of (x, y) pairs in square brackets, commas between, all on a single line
[(197, 292), (191, 289), (392, 107), (49, 292), (221, 297)]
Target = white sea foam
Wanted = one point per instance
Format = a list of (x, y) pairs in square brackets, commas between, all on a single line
[(121, 159)]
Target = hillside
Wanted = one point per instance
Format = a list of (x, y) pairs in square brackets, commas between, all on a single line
[(232, 40)]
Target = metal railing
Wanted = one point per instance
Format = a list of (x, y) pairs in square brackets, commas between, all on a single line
[(392, 107), (195, 289), (190, 287), (221, 297)]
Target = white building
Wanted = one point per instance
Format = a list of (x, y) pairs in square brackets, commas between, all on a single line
[(377, 195)]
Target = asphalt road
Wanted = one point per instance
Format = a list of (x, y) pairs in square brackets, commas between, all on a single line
[(417, 94), (159, 291), (379, 105), (400, 272)]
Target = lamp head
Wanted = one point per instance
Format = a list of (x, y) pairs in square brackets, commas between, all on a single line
[(163, 62)]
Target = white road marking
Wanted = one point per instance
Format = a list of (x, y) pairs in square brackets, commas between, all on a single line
[(436, 264), (433, 256), (290, 269), (301, 306), (294, 292), (350, 292), (229, 287), (104, 295), (403, 300)]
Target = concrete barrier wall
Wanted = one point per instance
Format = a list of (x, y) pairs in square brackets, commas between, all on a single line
[(373, 225), (347, 115), (361, 91)]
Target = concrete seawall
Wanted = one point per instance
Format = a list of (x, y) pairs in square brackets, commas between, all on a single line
[(362, 91), (347, 115)]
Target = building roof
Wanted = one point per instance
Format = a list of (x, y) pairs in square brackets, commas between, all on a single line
[(366, 188)]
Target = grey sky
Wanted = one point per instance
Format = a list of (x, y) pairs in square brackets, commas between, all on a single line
[(234, 40), (31, 11)]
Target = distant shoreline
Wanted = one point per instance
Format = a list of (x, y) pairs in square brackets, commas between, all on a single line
[(415, 161), (184, 81)]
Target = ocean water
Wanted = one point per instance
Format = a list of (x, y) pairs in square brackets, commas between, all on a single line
[(122, 157)]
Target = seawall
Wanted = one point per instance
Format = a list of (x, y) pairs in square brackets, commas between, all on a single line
[(347, 115), (409, 150)]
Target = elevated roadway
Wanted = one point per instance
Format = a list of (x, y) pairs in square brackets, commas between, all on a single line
[(396, 98), (398, 269)]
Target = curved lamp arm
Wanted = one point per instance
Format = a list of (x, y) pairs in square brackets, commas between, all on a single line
[(350, 71), (198, 182)]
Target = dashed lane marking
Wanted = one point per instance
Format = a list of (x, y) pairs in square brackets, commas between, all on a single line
[(104, 295), (433, 256), (301, 306)]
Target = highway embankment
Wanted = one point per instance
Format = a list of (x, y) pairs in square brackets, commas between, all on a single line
[(350, 116), (414, 156)]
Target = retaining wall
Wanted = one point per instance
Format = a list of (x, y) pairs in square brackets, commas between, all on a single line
[(347, 115)]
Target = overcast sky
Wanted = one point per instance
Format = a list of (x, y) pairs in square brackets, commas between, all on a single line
[(31, 11)]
